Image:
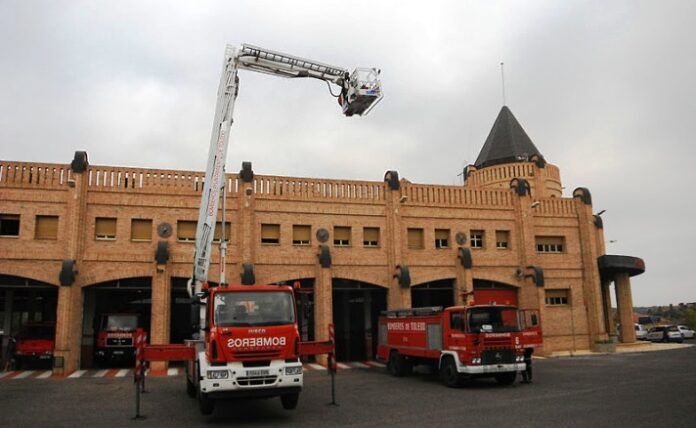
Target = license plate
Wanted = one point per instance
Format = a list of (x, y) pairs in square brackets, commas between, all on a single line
[(258, 372), (118, 352), (44, 357)]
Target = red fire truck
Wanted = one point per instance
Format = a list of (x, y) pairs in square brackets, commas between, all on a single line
[(34, 343), (115, 338), (251, 347), (460, 341)]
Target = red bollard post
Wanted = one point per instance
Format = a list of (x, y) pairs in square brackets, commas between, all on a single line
[(332, 365), (138, 371)]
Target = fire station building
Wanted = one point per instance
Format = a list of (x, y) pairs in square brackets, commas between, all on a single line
[(78, 241)]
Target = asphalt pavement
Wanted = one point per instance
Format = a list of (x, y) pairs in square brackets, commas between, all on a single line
[(632, 389)]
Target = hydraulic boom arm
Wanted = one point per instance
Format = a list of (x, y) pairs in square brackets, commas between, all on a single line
[(360, 91)]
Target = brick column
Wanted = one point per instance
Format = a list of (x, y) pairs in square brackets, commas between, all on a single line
[(463, 285), (397, 297), (323, 306), (69, 308), (624, 302), (160, 313)]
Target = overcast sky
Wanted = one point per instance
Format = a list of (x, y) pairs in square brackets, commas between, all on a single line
[(604, 89)]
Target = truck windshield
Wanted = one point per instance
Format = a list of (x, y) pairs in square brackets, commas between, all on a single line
[(37, 332), (121, 322), (253, 308), (492, 320)]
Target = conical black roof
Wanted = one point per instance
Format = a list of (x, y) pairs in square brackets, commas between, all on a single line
[(506, 143)]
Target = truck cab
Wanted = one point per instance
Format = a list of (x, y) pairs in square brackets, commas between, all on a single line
[(251, 347), (34, 343), (116, 338)]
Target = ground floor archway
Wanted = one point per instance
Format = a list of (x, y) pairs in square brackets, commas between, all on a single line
[(433, 293), (356, 309)]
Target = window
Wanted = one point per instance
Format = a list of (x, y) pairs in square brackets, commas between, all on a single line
[(105, 228), (415, 239), (141, 230), (46, 227), (442, 238), (341, 236), (549, 244), (502, 237), (186, 230), (301, 235), (371, 236), (270, 234), (477, 239), (557, 297), (9, 225), (218, 231)]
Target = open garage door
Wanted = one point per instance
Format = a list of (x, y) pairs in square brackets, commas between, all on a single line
[(23, 303), (112, 312), (435, 293), (180, 324), (356, 309), (304, 299)]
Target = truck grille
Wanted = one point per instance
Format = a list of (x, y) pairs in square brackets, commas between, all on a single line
[(496, 342), (498, 356), (266, 355), (119, 341), (257, 380)]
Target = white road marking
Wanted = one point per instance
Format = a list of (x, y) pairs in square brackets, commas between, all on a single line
[(358, 365), (45, 375), (172, 371), (3, 374), (122, 373), (342, 366), (24, 374), (101, 373), (316, 366), (78, 373), (376, 364)]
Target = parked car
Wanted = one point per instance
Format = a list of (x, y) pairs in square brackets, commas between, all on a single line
[(641, 332), (665, 333), (686, 332)]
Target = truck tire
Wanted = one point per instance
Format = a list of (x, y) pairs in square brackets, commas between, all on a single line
[(507, 378), (205, 403), (398, 365), (448, 373), (289, 401), (190, 388)]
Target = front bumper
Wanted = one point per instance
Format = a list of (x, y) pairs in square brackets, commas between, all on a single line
[(491, 368), (267, 381), (114, 354)]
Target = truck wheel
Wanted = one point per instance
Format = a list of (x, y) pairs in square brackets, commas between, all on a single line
[(289, 401), (397, 365), (507, 378), (205, 404), (190, 388), (448, 373)]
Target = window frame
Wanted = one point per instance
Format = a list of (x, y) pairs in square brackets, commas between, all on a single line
[(342, 242), (105, 237), (438, 241), (133, 220), (4, 216), (473, 240), (421, 243), (371, 244), (270, 225), (301, 242), (36, 227)]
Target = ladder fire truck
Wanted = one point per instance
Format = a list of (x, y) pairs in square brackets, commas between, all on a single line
[(247, 342), (461, 341)]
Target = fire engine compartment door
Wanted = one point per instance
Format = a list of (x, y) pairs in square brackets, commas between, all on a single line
[(434, 332)]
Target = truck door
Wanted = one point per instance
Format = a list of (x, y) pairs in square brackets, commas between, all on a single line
[(530, 323), (455, 339)]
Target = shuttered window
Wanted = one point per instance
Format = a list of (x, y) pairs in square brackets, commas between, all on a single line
[(549, 244), (105, 228), (502, 238), (270, 234), (9, 225), (301, 235), (371, 236), (218, 231), (442, 238), (477, 238), (141, 230), (415, 239), (341, 236), (557, 297), (46, 227), (186, 230)]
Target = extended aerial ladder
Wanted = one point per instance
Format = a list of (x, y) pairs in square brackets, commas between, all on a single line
[(359, 92)]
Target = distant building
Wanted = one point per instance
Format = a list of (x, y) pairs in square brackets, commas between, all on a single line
[(80, 240)]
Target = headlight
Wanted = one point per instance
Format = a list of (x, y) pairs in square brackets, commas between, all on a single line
[(218, 374), (475, 361), (293, 370)]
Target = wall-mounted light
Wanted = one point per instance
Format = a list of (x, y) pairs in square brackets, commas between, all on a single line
[(403, 199), (535, 204), (601, 212)]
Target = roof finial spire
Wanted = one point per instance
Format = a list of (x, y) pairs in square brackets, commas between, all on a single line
[(502, 78)]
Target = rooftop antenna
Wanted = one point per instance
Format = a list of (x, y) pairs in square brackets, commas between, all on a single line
[(502, 78)]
